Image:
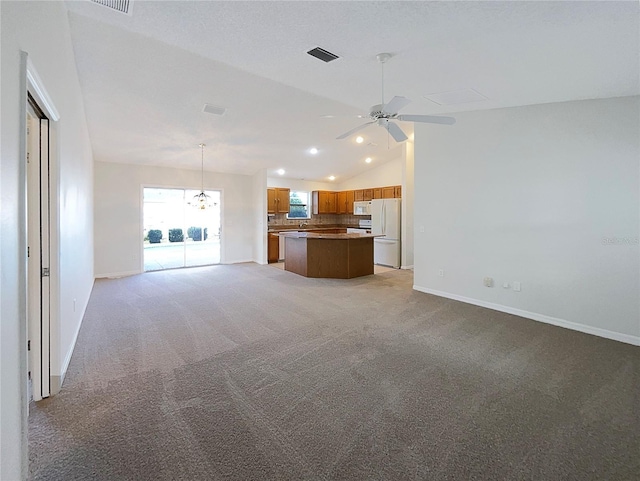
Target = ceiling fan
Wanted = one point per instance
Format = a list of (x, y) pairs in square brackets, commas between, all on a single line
[(384, 114)]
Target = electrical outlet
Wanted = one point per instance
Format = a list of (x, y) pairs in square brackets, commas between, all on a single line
[(516, 286), (421, 228), (506, 285), (488, 281), (441, 273)]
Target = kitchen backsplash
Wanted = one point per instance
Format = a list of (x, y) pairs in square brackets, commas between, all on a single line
[(320, 219)]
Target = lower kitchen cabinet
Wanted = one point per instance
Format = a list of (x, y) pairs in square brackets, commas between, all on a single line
[(274, 248)]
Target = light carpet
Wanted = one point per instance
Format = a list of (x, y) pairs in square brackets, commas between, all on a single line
[(247, 372)]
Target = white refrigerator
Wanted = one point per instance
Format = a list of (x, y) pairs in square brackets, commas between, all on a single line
[(385, 222)]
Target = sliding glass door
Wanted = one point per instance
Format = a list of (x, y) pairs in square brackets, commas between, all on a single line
[(176, 234)]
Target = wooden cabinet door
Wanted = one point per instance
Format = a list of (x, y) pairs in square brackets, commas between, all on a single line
[(388, 192), (332, 201), (319, 202), (341, 205), (274, 248), (367, 194), (282, 196), (397, 191), (350, 200), (377, 193), (272, 204), (323, 202), (358, 195)]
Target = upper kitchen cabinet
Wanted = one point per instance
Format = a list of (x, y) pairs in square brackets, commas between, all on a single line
[(367, 194), (358, 195), (344, 202), (388, 192), (397, 191), (324, 202), (278, 201)]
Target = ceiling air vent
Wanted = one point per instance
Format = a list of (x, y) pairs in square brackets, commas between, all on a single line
[(322, 54), (213, 109), (122, 6)]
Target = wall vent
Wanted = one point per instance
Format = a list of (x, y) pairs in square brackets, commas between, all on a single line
[(122, 6), (322, 54)]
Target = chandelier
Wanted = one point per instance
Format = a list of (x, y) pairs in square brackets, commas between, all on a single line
[(201, 201)]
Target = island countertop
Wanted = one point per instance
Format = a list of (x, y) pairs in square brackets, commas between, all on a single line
[(321, 235)]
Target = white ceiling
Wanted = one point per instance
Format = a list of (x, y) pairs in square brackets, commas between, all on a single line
[(146, 77)]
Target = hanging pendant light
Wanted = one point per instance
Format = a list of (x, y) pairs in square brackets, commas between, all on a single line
[(201, 201)]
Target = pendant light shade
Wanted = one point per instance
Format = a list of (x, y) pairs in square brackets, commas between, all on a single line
[(201, 201)]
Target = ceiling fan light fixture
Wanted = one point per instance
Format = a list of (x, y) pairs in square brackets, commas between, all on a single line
[(385, 113)]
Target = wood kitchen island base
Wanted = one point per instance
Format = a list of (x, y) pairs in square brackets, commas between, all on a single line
[(338, 256)]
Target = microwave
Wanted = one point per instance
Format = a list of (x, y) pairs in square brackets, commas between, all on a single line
[(362, 208)]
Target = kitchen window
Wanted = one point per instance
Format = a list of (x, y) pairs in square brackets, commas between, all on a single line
[(298, 205)]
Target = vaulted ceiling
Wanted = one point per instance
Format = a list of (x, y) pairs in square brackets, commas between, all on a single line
[(146, 76)]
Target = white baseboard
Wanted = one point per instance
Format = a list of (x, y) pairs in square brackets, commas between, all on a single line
[(239, 261), (57, 381), (406, 267), (113, 275), (596, 331)]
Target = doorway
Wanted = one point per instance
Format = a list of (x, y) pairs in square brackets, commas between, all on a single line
[(175, 233), (38, 253)]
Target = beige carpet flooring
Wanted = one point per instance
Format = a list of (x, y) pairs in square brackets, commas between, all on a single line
[(248, 372)]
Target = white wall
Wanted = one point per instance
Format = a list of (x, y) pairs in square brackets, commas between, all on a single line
[(389, 173), (547, 195), (260, 214), (301, 185), (41, 29), (118, 213), (406, 252)]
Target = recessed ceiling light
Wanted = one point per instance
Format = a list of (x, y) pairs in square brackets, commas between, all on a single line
[(359, 139), (313, 150), (281, 171), (368, 160), (332, 177)]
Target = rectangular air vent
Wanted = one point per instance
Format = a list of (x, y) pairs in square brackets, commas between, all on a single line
[(322, 54), (213, 109), (122, 6)]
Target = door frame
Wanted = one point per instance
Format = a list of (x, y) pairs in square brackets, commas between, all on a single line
[(38, 253), (32, 85)]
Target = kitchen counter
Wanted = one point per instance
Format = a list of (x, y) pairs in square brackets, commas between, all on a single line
[(320, 235), (282, 228), (338, 256)]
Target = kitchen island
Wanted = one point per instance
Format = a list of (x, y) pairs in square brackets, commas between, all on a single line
[(338, 256)]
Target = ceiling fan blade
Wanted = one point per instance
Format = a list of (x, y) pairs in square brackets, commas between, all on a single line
[(431, 119), (353, 131), (396, 104), (396, 132)]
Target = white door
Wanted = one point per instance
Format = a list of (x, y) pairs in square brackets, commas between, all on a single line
[(38, 262)]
